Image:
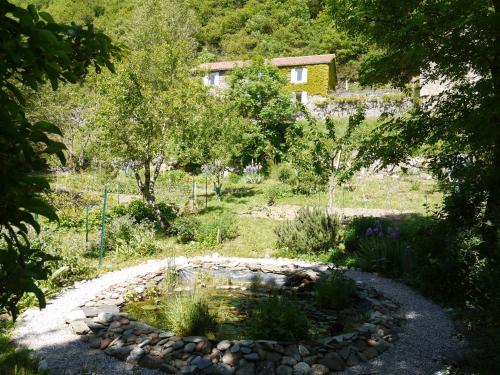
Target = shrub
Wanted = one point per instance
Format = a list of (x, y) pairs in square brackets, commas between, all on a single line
[(71, 208), (277, 318), (141, 212), (176, 178), (184, 227), (67, 266), (313, 231), (284, 173), (215, 229), (335, 291), (233, 178), (385, 255), (124, 237), (188, 315), (275, 192)]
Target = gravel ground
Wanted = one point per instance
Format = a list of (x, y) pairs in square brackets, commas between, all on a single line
[(425, 338)]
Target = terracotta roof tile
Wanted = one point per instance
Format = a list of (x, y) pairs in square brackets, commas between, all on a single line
[(278, 61)]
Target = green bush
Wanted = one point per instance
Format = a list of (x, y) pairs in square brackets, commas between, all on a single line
[(141, 212), (124, 237), (274, 192), (284, 173), (313, 231), (175, 178), (67, 267), (389, 256), (184, 227), (188, 315), (217, 228), (277, 318), (335, 291), (233, 178), (356, 229)]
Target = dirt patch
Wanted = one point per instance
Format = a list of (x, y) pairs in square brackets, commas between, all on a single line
[(289, 212)]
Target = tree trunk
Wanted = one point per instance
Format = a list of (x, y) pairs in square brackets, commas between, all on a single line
[(147, 188)]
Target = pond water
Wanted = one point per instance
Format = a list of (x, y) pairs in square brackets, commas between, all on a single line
[(232, 306)]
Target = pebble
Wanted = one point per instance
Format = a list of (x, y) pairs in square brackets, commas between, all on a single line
[(254, 357), (136, 354), (318, 369), (303, 351), (289, 361), (223, 345), (79, 327), (284, 370), (301, 368)]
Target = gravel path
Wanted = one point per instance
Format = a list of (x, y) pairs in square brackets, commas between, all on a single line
[(425, 338)]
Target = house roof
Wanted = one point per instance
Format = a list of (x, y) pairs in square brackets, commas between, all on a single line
[(278, 61)]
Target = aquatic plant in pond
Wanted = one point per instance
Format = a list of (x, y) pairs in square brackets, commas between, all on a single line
[(189, 314), (239, 312), (279, 318)]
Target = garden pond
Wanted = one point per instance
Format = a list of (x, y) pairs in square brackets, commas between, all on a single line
[(235, 301)]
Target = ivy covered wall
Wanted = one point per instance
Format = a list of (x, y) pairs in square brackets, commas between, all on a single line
[(320, 79)]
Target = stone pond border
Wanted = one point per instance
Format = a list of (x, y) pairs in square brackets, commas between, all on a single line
[(104, 326), (423, 340)]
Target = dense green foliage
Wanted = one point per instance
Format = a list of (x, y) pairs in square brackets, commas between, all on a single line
[(215, 229), (233, 29), (313, 231), (256, 91), (335, 291), (277, 317), (141, 212), (458, 130), (210, 231), (125, 238), (356, 230), (35, 50)]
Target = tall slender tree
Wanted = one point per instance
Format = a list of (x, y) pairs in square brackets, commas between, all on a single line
[(149, 99)]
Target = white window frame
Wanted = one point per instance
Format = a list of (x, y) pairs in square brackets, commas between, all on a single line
[(303, 96), (207, 80), (293, 75)]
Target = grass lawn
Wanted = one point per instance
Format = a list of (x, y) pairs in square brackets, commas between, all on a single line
[(256, 236)]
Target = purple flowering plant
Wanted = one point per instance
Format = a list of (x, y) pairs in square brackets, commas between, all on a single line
[(377, 230), (252, 173)]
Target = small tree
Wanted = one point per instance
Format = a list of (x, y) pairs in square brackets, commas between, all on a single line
[(256, 91), (149, 99), (71, 108), (214, 138)]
